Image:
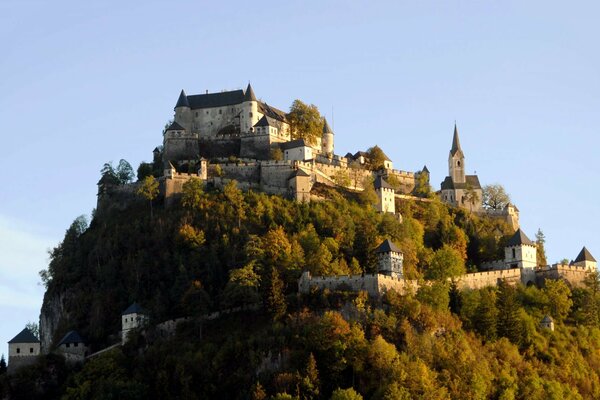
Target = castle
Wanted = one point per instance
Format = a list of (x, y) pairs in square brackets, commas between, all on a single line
[(519, 266)]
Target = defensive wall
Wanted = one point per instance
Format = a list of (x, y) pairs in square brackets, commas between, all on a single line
[(480, 280), (572, 274)]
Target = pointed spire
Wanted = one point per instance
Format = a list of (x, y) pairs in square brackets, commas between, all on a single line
[(455, 142), (249, 95), (326, 128), (425, 169), (518, 239), (182, 101), (585, 255)]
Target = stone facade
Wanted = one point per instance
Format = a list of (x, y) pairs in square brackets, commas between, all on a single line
[(132, 318), (23, 350)]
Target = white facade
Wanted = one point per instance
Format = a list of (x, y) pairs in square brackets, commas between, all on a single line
[(131, 321), (387, 200), (23, 350), (521, 256), (391, 264), (301, 153)]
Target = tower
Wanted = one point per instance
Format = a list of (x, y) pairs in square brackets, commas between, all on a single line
[(183, 112), (456, 160), (386, 194), (520, 252), (249, 115), (390, 259), (585, 260), (327, 141), (23, 349), (132, 318)]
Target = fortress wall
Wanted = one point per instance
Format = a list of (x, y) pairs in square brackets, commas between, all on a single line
[(255, 146), (480, 280), (574, 275), (355, 283), (218, 147), (401, 286), (241, 172), (276, 174), (406, 179)]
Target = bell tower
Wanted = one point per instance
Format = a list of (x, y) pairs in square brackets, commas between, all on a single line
[(456, 160)]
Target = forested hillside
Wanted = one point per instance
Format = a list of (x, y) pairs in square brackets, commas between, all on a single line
[(222, 249)]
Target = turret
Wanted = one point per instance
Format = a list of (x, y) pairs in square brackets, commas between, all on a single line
[(585, 260), (390, 259), (133, 317), (183, 112), (23, 350), (327, 141), (456, 160), (386, 194), (520, 252), (249, 115)]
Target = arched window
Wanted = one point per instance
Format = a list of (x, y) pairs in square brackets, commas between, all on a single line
[(458, 163)]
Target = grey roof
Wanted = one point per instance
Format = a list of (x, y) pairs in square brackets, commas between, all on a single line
[(547, 319), (175, 127), (249, 95), (584, 255), (455, 142), (519, 238), (299, 172), (211, 100), (360, 153), (293, 144), (266, 121), (182, 101), (381, 183), (326, 128), (133, 309), (425, 169), (472, 181), (387, 246), (272, 112), (71, 337), (25, 336)]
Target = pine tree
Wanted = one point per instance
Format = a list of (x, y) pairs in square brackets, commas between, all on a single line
[(509, 323), (3, 367), (455, 298), (486, 316), (310, 380), (276, 300), (540, 240)]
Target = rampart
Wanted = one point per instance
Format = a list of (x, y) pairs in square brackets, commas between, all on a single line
[(480, 280), (374, 284), (570, 273)]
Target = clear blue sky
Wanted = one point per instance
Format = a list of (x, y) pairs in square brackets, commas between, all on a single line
[(82, 84)]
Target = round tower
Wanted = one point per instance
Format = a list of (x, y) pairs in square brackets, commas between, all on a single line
[(327, 141), (249, 116), (183, 112)]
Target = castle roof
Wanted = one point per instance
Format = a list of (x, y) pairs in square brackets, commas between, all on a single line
[(182, 101), (381, 183), (133, 309), (326, 128), (388, 246), (547, 319), (471, 181), (266, 121), (518, 239), (584, 255), (25, 336), (249, 95), (293, 144), (455, 142), (175, 127), (425, 169), (71, 337), (272, 112), (211, 100), (299, 172)]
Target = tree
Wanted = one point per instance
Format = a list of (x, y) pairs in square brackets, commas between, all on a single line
[(195, 300), (149, 190), (305, 122), (368, 196), (445, 263), (276, 300), (276, 154), (242, 287), (235, 199), (310, 380), (509, 321), (258, 392), (495, 197), (345, 394), (193, 196), (124, 172), (471, 196), (144, 170), (540, 240), (3, 367), (33, 328), (422, 186), (377, 158), (559, 299), (485, 319)]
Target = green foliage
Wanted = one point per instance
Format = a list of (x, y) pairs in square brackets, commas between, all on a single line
[(495, 197), (540, 241), (144, 170), (376, 158), (149, 190), (446, 262), (305, 122), (345, 394)]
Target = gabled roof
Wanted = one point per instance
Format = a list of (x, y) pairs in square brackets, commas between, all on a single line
[(299, 172), (472, 181), (25, 336), (249, 95), (387, 246), (455, 142), (71, 337), (182, 101), (272, 112), (326, 128), (266, 121), (381, 183), (211, 100), (133, 309), (293, 144), (175, 127), (584, 255), (547, 319), (518, 239)]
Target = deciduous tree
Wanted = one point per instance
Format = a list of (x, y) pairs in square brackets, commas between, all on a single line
[(305, 122), (495, 197), (149, 190)]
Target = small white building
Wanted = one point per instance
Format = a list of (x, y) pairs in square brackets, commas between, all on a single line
[(520, 252), (23, 350), (585, 260), (73, 347), (133, 317), (296, 150), (390, 259), (386, 195), (547, 323)]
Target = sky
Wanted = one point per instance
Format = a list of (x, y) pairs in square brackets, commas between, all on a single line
[(84, 83)]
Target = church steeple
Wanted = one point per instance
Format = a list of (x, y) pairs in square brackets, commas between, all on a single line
[(456, 160)]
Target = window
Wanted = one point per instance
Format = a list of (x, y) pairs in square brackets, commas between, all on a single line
[(458, 163), (68, 345), (514, 253), (18, 350), (250, 115), (75, 344), (220, 112), (196, 114), (206, 112), (31, 349)]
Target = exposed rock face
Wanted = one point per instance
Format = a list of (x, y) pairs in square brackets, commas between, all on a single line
[(53, 311)]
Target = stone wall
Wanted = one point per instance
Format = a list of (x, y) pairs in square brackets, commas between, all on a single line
[(374, 284), (480, 280), (183, 148), (218, 147), (572, 274)]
